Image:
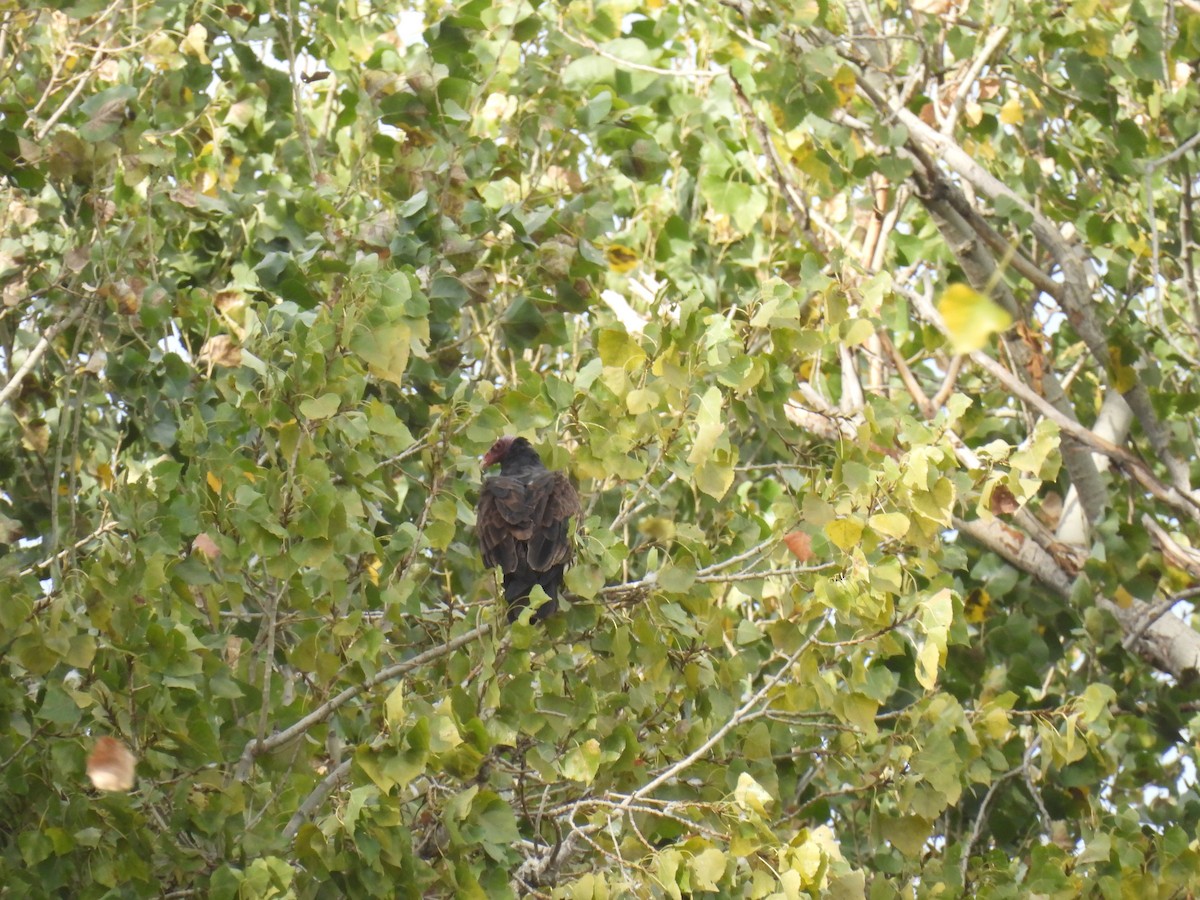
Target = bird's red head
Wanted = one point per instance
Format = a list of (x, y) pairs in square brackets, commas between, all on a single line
[(498, 451)]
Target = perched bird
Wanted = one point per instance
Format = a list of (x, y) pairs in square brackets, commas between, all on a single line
[(522, 522)]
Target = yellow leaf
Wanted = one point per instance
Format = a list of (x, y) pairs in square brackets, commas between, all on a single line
[(1122, 597), (970, 317), (620, 259), (708, 868), (193, 43), (930, 657), (845, 85), (1011, 112), (996, 724), (749, 794), (393, 706), (845, 533), (213, 482), (104, 474), (1124, 376), (373, 566), (893, 525), (657, 528), (1097, 44)]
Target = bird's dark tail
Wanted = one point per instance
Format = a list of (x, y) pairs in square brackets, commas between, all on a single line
[(517, 586)]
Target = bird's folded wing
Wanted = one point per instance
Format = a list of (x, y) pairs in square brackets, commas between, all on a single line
[(503, 518), (553, 500)]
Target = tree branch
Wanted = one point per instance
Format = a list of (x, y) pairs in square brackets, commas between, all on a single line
[(1168, 643), (256, 747), (38, 351)]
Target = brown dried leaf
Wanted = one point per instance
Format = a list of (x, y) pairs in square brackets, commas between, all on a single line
[(1002, 502), (14, 292), (232, 307), (206, 547), (800, 544), (77, 258), (1051, 510), (105, 209), (36, 436), (184, 196), (111, 765), (989, 87), (220, 350), (127, 299)]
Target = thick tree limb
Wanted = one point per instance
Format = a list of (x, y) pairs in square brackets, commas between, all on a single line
[(1168, 643), (1184, 504), (1112, 424), (1075, 300), (984, 274)]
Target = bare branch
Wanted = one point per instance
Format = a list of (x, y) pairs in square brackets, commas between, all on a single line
[(257, 747), (38, 351)]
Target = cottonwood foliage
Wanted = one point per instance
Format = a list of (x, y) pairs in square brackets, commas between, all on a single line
[(869, 332)]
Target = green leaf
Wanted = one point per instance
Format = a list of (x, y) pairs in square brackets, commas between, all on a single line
[(394, 706), (709, 427), (582, 762), (320, 407), (641, 400), (1095, 702), (907, 834), (582, 73)]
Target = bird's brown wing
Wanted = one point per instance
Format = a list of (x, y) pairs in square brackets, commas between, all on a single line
[(503, 520), (552, 501)]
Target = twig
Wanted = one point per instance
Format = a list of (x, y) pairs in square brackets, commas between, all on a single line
[(102, 530), (1034, 745), (1174, 154), (318, 795), (1151, 616), (639, 67), (741, 713), (764, 573), (994, 40), (1183, 502), (948, 383), (910, 381), (256, 747), (289, 30), (38, 352), (977, 829)]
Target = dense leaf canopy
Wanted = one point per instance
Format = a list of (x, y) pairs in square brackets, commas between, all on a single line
[(869, 331)]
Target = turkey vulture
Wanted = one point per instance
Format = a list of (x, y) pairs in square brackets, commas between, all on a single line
[(522, 524)]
